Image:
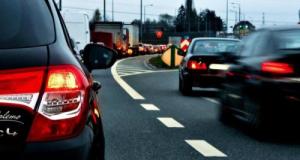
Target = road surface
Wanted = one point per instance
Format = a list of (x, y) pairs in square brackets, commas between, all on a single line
[(146, 118)]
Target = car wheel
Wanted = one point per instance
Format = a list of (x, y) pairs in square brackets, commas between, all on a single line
[(185, 87), (225, 115), (258, 118)]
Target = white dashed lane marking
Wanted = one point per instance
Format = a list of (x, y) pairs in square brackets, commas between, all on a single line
[(170, 122), (206, 149), (212, 100), (150, 107)]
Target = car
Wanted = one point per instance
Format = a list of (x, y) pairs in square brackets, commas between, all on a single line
[(48, 99), (202, 64), (262, 86)]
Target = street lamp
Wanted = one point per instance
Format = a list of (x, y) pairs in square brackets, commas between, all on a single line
[(149, 5), (236, 15), (239, 5), (113, 10), (104, 10), (141, 23), (226, 16)]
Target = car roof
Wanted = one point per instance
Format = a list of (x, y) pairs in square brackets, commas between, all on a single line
[(215, 38), (281, 28)]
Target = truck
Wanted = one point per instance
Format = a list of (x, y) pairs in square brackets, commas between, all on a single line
[(174, 40), (120, 35), (133, 37), (77, 24)]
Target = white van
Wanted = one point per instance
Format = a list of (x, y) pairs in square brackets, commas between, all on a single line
[(78, 26)]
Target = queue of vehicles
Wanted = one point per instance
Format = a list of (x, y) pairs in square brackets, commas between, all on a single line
[(258, 78)]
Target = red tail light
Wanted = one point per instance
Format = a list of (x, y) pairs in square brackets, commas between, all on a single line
[(21, 87), (194, 65), (62, 111), (277, 68)]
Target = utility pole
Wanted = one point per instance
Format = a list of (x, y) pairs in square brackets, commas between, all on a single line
[(240, 12), (263, 19), (60, 5), (113, 10), (226, 16), (141, 25), (104, 10), (145, 7)]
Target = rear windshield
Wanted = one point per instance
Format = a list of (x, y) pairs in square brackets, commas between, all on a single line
[(288, 39), (215, 46), (25, 23)]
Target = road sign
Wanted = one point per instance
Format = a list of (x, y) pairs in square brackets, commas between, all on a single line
[(171, 58), (185, 43)]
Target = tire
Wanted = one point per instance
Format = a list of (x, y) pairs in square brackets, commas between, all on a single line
[(225, 115), (185, 87), (258, 120), (98, 150)]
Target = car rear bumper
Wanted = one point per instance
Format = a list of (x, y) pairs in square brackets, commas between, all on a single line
[(204, 80), (77, 148)]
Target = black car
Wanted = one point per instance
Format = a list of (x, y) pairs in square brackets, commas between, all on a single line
[(262, 86), (204, 63), (48, 99)]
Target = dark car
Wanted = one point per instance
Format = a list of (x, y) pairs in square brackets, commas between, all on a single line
[(48, 99), (262, 86), (204, 63)]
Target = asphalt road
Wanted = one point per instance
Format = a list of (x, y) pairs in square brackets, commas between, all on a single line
[(172, 126)]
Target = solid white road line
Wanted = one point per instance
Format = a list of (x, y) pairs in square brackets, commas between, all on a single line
[(206, 149), (212, 100), (133, 93), (170, 122), (117, 76), (150, 107)]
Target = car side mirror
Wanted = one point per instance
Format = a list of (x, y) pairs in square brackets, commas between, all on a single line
[(98, 57)]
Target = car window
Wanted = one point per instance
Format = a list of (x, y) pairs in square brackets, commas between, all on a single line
[(249, 44), (288, 39), (262, 44), (214, 46), (28, 23)]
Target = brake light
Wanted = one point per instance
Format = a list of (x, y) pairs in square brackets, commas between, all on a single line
[(277, 68), (194, 65), (63, 108), (21, 86)]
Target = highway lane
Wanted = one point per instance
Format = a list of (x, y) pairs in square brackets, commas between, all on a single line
[(141, 132)]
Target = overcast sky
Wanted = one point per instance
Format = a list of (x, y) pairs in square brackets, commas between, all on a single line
[(277, 12)]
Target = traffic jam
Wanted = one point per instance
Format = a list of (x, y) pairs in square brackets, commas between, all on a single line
[(116, 80)]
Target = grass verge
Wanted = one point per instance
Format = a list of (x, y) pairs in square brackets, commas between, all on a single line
[(157, 62)]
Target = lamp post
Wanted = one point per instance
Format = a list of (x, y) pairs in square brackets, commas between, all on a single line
[(239, 5), (104, 10), (149, 5), (60, 5), (113, 10), (227, 16), (141, 24), (236, 16)]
